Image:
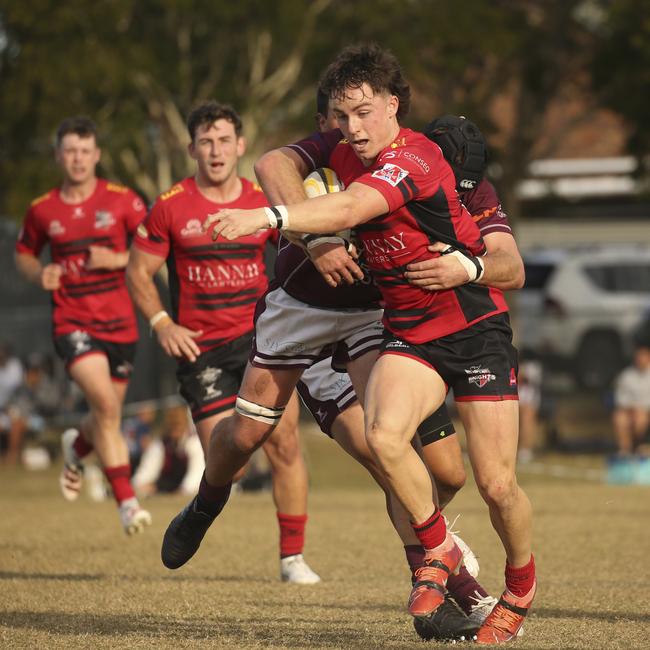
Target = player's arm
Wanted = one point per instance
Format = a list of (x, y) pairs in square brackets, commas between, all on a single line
[(280, 173), (47, 276), (175, 340), (502, 266), (339, 211)]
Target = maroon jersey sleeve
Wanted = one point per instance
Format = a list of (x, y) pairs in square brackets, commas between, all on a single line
[(485, 207), (32, 237), (153, 234), (316, 149)]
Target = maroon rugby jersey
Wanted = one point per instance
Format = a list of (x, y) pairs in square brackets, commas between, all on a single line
[(214, 285), (485, 207), (419, 187), (93, 301)]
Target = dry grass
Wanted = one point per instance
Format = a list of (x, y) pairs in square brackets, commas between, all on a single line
[(69, 577)]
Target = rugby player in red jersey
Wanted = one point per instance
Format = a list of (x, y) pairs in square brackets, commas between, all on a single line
[(214, 288), (87, 222), (400, 196)]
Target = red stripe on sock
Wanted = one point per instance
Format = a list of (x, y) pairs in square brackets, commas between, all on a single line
[(520, 580), (119, 478), (431, 532), (292, 534)]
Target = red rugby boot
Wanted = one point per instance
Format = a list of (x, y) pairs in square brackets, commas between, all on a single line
[(506, 619), (431, 579)]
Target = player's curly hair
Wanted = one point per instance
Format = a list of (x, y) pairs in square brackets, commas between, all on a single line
[(367, 63), (208, 113), (80, 125)]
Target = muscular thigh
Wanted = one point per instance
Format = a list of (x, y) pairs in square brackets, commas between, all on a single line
[(492, 430), (402, 391)]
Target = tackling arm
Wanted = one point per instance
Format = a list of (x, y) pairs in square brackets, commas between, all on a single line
[(502, 264)]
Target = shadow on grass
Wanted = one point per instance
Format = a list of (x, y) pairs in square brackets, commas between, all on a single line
[(287, 632), (73, 577), (610, 617)]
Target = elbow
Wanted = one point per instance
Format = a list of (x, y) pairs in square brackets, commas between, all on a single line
[(266, 164), (519, 278)]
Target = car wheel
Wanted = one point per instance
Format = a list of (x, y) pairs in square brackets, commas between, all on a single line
[(599, 359)]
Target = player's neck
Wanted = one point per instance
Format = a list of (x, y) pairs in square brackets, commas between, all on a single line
[(78, 192), (225, 192)]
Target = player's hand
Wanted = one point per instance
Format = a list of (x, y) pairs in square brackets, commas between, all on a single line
[(335, 264), (51, 277), (178, 341), (231, 224), (101, 257), (441, 272)]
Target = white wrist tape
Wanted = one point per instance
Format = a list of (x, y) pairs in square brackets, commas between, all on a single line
[(474, 266), (156, 318), (278, 217), (325, 239)]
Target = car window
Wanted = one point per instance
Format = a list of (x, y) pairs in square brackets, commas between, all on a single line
[(634, 278), (537, 274)]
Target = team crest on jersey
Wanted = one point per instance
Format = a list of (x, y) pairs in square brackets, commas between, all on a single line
[(138, 205), (55, 228), (80, 340), (104, 219), (392, 174), (192, 228), (78, 213), (479, 376), (208, 377)]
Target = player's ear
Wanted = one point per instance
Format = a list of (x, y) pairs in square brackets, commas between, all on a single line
[(191, 150), (393, 105), (241, 146)]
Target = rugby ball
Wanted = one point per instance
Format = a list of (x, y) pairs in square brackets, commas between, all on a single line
[(322, 181)]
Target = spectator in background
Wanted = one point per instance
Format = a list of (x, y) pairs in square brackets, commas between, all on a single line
[(631, 418), (530, 398), (173, 463), (11, 374), (138, 431), (30, 404)]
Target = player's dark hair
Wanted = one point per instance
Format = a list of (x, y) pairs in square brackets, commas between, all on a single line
[(367, 63), (82, 126), (208, 113), (463, 146)]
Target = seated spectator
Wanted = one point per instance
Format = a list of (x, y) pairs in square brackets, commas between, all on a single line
[(138, 431), (530, 396), (30, 404), (631, 418), (173, 463)]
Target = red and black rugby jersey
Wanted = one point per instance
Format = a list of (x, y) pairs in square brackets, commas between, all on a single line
[(214, 285), (424, 207), (96, 301)]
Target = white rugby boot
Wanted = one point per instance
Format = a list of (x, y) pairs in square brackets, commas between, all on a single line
[(294, 569)]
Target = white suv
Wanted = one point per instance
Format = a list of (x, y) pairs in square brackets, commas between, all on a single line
[(583, 307)]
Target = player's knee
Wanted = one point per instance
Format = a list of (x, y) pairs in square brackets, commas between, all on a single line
[(283, 449), (499, 490), (451, 481), (385, 442), (105, 407)]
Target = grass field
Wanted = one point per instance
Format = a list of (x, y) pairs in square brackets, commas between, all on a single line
[(70, 578)]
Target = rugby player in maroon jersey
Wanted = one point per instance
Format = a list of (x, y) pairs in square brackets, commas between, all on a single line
[(214, 288), (87, 222), (400, 195)]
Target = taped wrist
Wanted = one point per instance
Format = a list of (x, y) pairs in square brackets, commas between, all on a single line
[(312, 241), (474, 266)]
